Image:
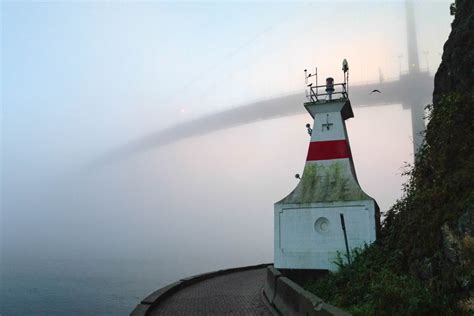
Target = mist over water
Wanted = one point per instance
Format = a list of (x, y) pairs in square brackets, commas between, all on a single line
[(80, 79)]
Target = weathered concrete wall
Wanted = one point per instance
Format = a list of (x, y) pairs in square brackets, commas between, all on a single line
[(269, 287), (310, 236), (289, 298)]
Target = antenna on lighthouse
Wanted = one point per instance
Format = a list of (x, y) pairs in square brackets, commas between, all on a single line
[(313, 96)]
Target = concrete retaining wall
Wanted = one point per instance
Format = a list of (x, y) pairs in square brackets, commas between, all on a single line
[(289, 298), (160, 295), (269, 287)]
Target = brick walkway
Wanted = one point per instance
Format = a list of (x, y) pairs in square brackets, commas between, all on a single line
[(237, 293)]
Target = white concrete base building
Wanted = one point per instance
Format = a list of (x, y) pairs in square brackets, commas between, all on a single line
[(308, 230)]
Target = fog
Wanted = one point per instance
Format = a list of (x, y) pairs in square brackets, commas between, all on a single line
[(81, 79)]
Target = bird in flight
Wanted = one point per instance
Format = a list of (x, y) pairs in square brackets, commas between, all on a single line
[(375, 90)]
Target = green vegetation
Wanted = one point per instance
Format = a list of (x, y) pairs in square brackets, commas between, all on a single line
[(423, 264), (373, 285)]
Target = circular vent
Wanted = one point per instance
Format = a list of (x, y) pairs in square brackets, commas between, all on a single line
[(322, 225)]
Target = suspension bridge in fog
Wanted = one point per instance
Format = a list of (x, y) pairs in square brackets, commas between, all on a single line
[(412, 90)]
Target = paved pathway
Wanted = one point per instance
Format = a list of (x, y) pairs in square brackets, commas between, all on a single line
[(237, 293)]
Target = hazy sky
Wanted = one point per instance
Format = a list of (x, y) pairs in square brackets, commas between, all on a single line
[(80, 78)]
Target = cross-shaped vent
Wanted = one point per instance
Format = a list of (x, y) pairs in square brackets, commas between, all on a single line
[(327, 125)]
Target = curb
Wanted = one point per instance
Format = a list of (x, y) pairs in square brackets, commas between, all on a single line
[(155, 298), (269, 288), (288, 298)]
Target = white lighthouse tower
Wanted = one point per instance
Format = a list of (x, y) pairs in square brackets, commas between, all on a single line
[(327, 214)]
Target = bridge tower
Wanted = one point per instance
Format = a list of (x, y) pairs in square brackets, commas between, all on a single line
[(327, 213), (412, 83)]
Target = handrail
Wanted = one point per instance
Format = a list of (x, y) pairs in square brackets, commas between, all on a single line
[(314, 93)]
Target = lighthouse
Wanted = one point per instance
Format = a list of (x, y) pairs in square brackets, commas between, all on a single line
[(328, 213)]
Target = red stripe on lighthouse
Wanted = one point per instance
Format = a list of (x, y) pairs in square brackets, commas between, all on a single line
[(333, 149)]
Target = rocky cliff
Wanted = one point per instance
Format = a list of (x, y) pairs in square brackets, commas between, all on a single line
[(456, 72)]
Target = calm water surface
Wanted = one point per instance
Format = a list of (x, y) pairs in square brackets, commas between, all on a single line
[(87, 287)]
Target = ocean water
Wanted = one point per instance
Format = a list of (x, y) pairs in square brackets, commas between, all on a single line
[(86, 286)]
